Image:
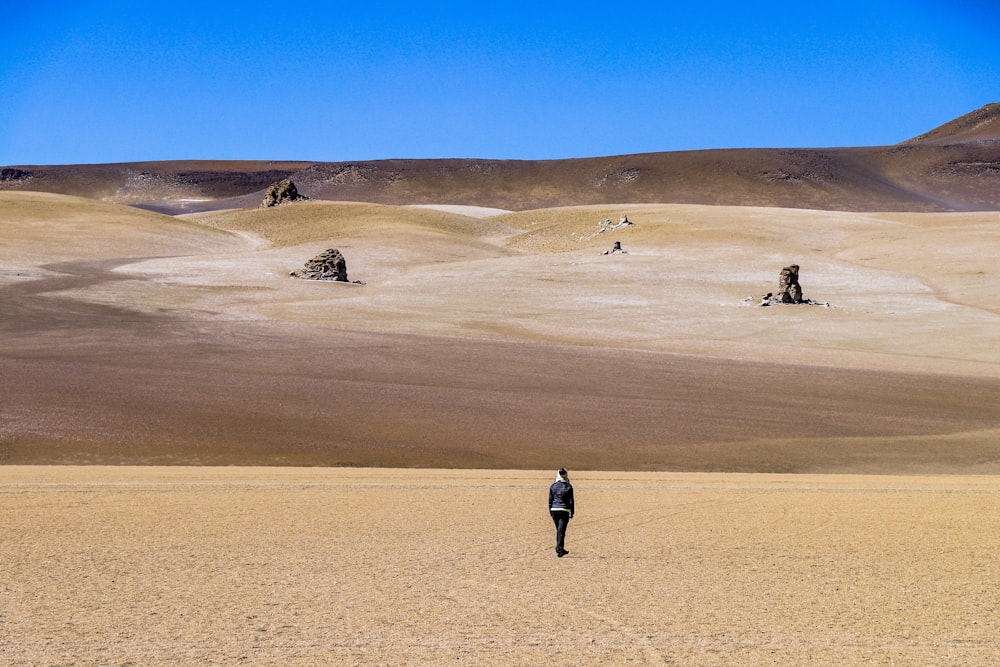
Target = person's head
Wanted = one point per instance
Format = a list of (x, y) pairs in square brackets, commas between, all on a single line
[(562, 474)]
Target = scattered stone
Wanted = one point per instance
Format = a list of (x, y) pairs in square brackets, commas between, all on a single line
[(13, 174), (606, 226), (617, 249), (628, 175), (328, 265), (282, 192)]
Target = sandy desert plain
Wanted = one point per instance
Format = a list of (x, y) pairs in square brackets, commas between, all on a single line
[(206, 461)]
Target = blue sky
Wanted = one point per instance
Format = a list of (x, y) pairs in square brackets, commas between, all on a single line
[(104, 81)]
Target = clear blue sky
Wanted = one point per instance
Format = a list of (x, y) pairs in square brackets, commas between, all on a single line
[(104, 81)]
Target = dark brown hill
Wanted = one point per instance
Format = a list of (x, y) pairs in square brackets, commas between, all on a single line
[(954, 167), (149, 182), (983, 125)]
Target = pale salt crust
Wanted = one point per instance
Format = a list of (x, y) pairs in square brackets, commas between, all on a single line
[(469, 211)]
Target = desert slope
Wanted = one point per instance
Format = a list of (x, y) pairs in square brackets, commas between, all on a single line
[(981, 125), (502, 342), (54, 227)]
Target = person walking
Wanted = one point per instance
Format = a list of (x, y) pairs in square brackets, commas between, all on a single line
[(561, 508)]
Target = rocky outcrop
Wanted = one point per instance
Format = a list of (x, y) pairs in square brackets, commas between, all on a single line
[(282, 192), (789, 290), (11, 174), (328, 265)]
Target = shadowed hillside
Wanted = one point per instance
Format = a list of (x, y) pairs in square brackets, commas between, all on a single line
[(955, 167)]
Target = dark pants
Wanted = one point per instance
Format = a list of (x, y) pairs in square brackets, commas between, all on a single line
[(561, 519)]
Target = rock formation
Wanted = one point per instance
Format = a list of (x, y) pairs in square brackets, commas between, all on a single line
[(282, 192), (616, 249), (328, 265), (789, 290)]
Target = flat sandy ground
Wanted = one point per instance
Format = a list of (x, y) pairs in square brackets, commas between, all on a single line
[(294, 566)]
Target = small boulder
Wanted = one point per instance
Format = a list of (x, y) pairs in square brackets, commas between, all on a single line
[(282, 192), (328, 265), (616, 249)]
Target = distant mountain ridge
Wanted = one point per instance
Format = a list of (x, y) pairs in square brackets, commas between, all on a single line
[(981, 125), (955, 167)]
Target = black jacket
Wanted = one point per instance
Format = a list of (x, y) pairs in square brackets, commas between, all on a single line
[(561, 496)]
